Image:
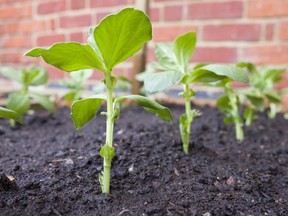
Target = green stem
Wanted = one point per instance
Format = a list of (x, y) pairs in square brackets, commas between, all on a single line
[(109, 134), (239, 130), (189, 117)]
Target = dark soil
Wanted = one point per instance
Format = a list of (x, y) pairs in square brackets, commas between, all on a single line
[(53, 169)]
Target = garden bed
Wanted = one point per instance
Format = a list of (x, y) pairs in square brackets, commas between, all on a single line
[(55, 168)]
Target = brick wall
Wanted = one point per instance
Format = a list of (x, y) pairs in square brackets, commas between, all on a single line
[(228, 30)]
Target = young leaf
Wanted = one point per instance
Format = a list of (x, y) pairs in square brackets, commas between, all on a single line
[(120, 36), (159, 81), (18, 102), (274, 97), (43, 101), (223, 104), (69, 56), (11, 74), (149, 105), (6, 113), (166, 58), (107, 152), (82, 111), (184, 47), (40, 78), (221, 70)]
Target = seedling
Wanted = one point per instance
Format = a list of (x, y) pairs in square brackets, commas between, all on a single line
[(10, 114), (116, 38), (262, 91), (173, 61), (20, 101), (75, 84)]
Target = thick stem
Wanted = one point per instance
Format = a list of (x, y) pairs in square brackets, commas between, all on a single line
[(189, 117), (239, 131), (109, 134)]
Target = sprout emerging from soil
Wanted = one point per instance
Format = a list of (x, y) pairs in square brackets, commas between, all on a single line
[(116, 38)]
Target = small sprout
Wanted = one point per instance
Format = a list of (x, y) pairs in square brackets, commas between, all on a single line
[(75, 84), (262, 92), (20, 101), (116, 38), (172, 69)]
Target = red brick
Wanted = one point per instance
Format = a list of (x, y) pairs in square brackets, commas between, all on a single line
[(10, 57), (283, 31), (75, 21), (54, 73), (173, 13), (15, 12), (97, 75), (233, 9), (49, 40), (270, 29), (267, 8), (77, 4), (272, 54), (32, 26), (170, 33), (215, 55), (232, 32), (10, 27), (17, 42), (107, 3), (154, 14), (51, 7), (77, 37)]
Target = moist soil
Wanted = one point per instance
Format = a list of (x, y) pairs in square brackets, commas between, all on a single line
[(49, 168)]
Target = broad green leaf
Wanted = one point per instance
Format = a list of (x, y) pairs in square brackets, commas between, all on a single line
[(159, 81), (273, 97), (274, 74), (121, 35), (220, 71), (69, 56), (18, 102), (40, 78), (257, 101), (185, 134), (6, 113), (149, 105), (43, 101), (184, 47), (82, 111), (107, 152), (11, 74), (167, 60), (204, 76)]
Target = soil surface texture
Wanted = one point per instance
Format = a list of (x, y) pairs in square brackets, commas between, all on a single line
[(49, 168)]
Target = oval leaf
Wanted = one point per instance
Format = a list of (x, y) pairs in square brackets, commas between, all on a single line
[(6, 113), (121, 35), (184, 47), (69, 56), (159, 81), (150, 106), (18, 102), (82, 111), (107, 152)]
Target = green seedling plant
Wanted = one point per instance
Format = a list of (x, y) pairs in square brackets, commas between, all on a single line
[(20, 101), (172, 68), (229, 105), (10, 114), (116, 38), (262, 91), (75, 84)]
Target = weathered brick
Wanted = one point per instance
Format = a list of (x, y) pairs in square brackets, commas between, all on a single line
[(169, 33), (272, 54), (173, 13), (10, 57), (17, 42), (15, 12), (269, 33), (75, 21), (107, 3), (215, 10), (77, 4), (154, 14), (77, 37), (215, 54), (283, 31), (267, 8), (54, 73), (232, 32), (51, 7), (32, 26), (48, 40)]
